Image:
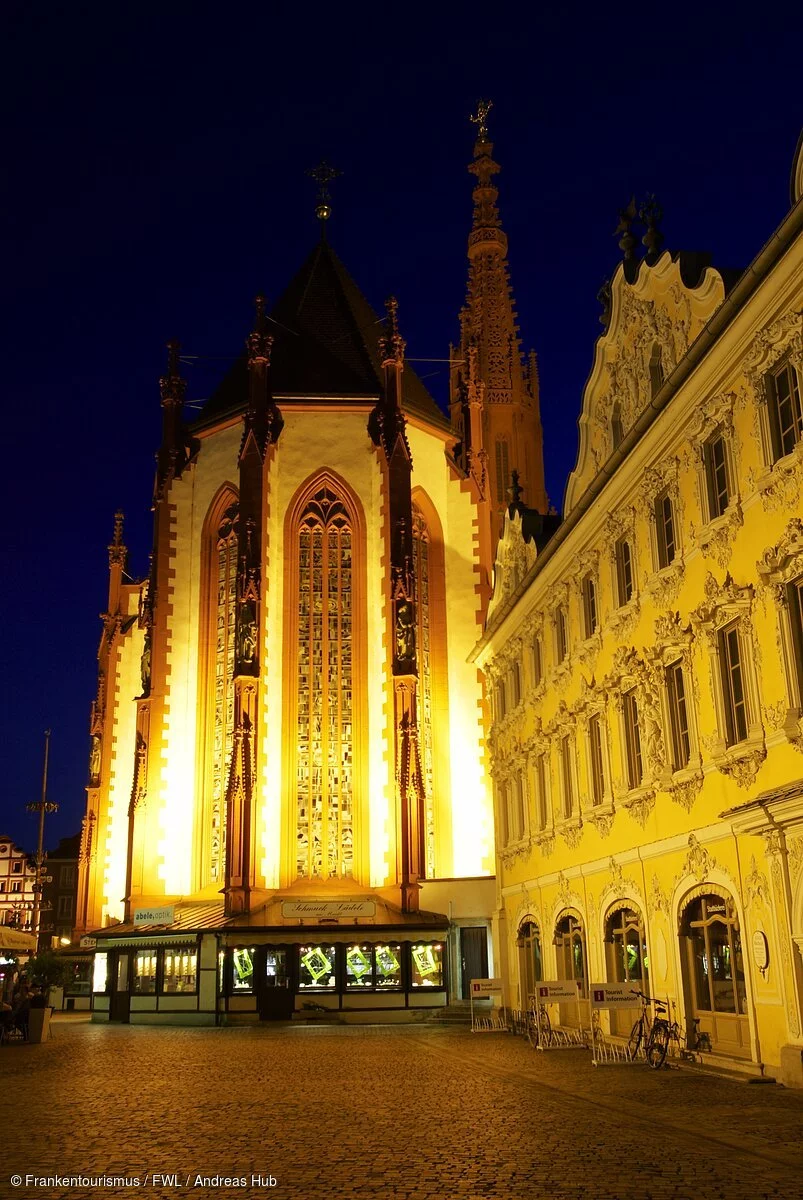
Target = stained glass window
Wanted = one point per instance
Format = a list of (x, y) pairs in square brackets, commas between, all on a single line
[(325, 760), (421, 550), (224, 615)]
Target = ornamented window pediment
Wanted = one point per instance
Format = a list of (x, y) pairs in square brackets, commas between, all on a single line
[(783, 561)]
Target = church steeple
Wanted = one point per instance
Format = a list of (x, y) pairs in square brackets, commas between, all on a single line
[(489, 363)]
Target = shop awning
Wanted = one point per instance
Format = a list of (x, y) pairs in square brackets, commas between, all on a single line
[(15, 939)]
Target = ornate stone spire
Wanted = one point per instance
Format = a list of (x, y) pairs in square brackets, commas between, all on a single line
[(172, 456), (263, 419), (508, 388)]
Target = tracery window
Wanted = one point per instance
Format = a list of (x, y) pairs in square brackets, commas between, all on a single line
[(325, 730), (502, 469), (422, 558), (224, 600)]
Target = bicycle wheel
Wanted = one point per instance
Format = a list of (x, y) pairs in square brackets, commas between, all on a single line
[(657, 1044), (634, 1041), (532, 1029), (546, 1028)]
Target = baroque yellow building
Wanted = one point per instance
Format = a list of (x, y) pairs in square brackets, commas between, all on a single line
[(646, 662), (287, 806)]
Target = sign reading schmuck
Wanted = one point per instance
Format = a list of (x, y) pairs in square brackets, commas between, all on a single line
[(327, 910)]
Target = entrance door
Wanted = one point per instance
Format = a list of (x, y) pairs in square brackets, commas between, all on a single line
[(274, 995), (120, 1000), (473, 956)]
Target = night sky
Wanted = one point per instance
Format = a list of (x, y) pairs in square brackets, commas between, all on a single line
[(155, 158)]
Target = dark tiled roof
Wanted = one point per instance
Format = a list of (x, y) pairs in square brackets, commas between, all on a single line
[(786, 791), (325, 344)]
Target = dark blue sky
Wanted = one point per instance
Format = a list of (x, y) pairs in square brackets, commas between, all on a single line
[(155, 158)]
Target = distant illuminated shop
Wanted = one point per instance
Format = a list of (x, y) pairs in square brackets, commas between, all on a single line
[(238, 973)]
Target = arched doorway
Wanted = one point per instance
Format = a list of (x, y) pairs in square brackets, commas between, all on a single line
[(530, 960), (713, 970), (572, 962), (626, 958)]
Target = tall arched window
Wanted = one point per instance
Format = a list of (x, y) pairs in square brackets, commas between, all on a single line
[(433, 728), (217, 660), (424, 664), (530, 960), (325, 688)]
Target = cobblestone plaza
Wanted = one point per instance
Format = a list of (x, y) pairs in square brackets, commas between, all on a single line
[(413, 1113)]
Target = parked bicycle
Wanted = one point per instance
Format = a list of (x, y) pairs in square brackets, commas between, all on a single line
[(668, 1029), (640, 1033), (539, 1026)]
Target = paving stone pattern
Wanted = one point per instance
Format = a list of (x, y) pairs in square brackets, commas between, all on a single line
[(386, 1113)]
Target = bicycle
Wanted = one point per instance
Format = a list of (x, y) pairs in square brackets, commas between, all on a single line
[(643, 1026), (669, 1030), (539, 1026)]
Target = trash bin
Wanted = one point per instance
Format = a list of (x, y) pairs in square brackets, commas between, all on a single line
[(39, 1024)]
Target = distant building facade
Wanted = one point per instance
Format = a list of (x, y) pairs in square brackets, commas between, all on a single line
[(646, 664), (287, 802), (59, 892), (17, 879)]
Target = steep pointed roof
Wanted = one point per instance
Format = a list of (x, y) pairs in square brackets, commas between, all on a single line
[(325, 345)]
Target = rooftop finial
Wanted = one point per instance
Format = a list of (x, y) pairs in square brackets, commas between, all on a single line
[(118, 528), (391, 343), (650, 215), (480, 119), (323, 175), (628, 240)]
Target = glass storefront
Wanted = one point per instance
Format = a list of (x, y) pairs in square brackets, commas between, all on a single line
[(427, 965), (179, 971), (144, 975), (317, 968), (371, 967)]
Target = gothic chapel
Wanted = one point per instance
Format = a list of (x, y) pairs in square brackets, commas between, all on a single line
[(288, 806)]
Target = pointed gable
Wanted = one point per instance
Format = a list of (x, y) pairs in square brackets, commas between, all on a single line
[(325, 336)]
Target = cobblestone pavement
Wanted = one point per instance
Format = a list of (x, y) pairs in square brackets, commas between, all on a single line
[(410, 1113)]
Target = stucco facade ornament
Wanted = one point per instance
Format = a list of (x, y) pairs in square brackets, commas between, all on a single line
[(567, 897), (744, 767), (756, 885), (601, 820), (572, 832), (684, 791), (657, 900), (640, 805), (698, 862)]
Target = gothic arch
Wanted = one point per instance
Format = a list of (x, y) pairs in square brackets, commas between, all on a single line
[(433, 689), (325, 502), (212, 760)]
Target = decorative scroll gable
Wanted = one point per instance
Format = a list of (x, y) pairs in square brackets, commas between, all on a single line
[(653, 321)]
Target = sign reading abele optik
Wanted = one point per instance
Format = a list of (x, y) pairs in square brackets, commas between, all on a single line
[(154, 916)]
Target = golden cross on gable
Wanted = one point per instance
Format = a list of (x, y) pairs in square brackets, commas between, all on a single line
[(323, 175), (480, 119)]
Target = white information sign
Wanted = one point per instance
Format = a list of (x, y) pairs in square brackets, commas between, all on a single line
[(548, 991), (485, 987), (155, 916), (88, 943), (614, 995), (327, 910)]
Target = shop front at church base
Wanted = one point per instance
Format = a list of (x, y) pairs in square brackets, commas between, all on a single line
[(293, 959)]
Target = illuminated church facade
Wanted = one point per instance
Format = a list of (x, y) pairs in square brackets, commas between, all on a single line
[(288, 808)]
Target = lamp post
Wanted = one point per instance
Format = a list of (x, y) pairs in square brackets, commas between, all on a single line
[(42, 806)]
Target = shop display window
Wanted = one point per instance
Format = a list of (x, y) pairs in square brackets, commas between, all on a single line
[(79, 979), (427, 965), (180, 971), (373, 967), (144, 981), (242, 969), (100, 974), (316, 967)]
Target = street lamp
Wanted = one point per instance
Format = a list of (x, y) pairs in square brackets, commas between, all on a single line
[(42, 806)]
